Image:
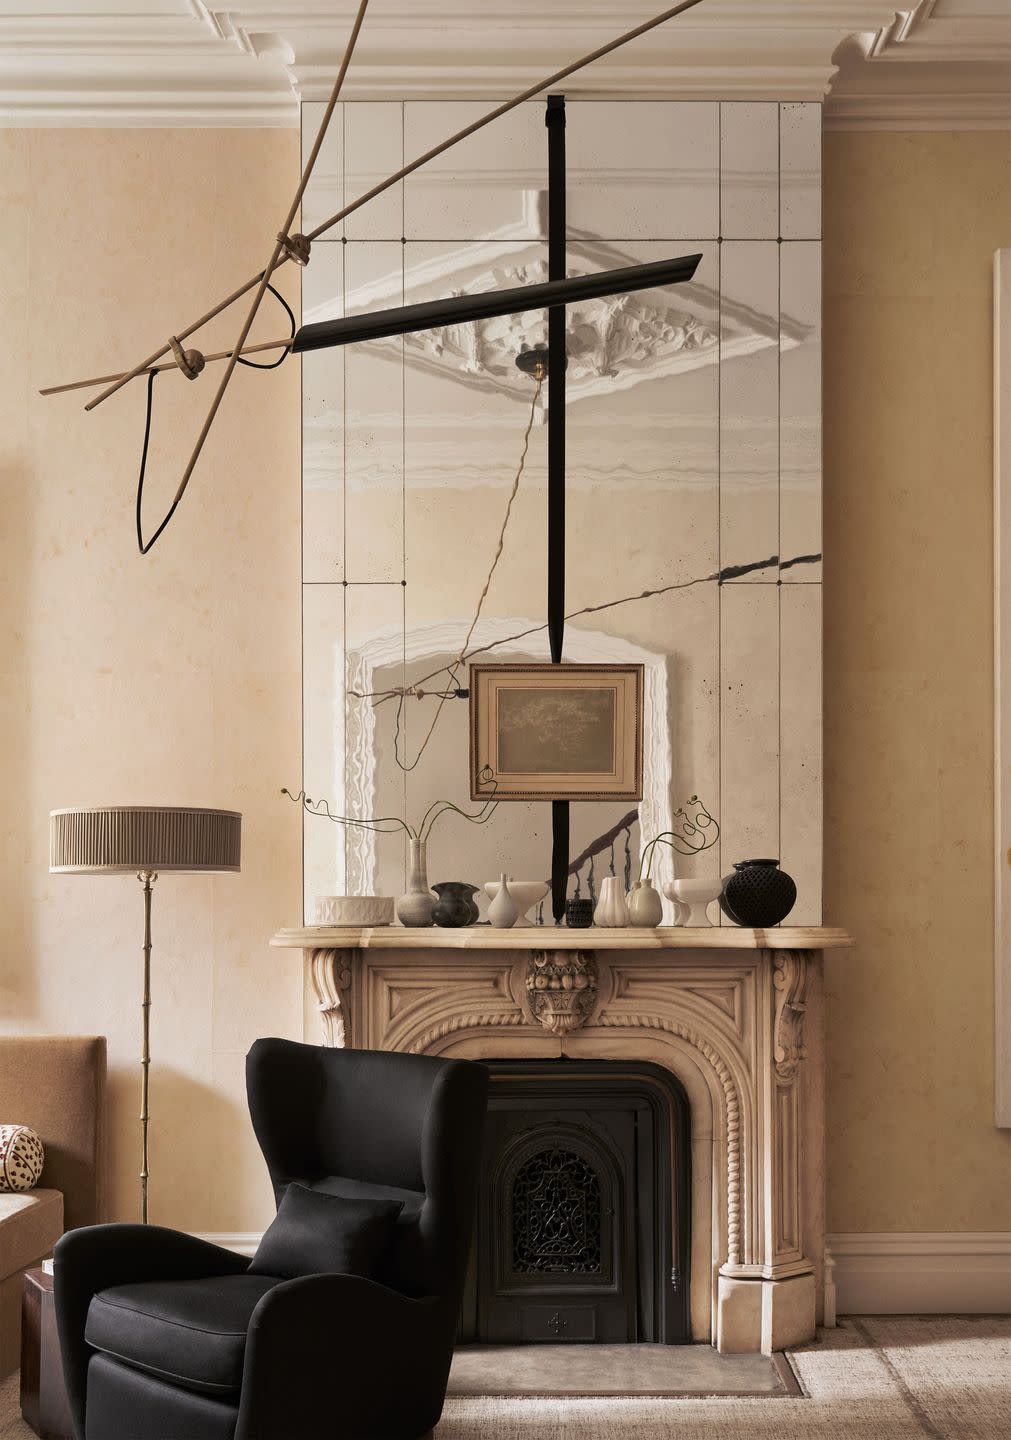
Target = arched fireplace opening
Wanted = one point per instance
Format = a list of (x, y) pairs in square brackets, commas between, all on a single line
[(582, 1232)]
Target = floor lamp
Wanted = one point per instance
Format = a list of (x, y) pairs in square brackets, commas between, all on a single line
[(145, 840)]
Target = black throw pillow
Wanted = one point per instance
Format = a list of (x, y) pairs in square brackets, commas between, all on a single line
[(315, 1233)]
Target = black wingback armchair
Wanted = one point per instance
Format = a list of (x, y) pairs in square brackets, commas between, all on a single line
[(166, 1337)]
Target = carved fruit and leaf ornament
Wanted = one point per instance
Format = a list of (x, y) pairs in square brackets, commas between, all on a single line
[(561, 988)]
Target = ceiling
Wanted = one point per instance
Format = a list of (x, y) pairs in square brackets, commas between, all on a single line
[(936, 64)]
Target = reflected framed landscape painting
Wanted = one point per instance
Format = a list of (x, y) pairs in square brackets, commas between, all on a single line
[(556, 732)]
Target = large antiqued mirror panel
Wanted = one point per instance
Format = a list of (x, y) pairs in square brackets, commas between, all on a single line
[(693, 425)]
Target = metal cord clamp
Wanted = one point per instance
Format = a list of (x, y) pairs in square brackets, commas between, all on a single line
[(190, 362), (296, 247)]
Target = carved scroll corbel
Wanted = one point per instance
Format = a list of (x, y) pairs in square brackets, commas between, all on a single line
[(561, 988), (331, 980), (789, 980)]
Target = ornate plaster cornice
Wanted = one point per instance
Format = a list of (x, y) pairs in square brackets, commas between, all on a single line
[(935, 64)]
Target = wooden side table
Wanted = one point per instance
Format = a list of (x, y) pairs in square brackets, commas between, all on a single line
[(43, 1396)]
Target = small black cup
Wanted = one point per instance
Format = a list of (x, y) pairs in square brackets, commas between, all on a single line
[(579, 914)]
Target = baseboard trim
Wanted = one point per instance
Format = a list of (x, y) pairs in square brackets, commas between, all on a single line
[(243, 1242), (914, 1273), (875, 1273)]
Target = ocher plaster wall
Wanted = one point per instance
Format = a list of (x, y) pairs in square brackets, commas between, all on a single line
[(172, 679), (176, 678), (911, 224)]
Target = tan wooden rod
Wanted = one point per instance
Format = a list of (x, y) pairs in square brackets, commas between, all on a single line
[(262, 280), (386, 184), (170, 365), (279, 248)]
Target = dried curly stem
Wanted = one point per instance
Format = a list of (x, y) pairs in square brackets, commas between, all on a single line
[(683, 841), (322, 809)]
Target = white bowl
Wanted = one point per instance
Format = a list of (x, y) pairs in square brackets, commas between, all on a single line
[(694, 897), (526, 893), (364, 910)]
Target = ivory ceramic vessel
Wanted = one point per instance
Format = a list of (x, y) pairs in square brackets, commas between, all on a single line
[(503, 912), (611, 912), (645, 907), (695, 896), (414, 908), (354, 910), (526, 893)]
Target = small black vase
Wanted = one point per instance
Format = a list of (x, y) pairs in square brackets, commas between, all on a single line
[(758, 895), (455, 906)]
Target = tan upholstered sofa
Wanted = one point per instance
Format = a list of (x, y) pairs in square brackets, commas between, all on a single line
[(56, 1085)]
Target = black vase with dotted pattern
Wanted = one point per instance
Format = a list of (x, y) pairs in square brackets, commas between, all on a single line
[(758, 894)]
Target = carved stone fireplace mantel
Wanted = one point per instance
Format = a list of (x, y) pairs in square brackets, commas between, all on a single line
[(735, 1014)]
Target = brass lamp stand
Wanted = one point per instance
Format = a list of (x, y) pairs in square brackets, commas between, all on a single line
[(147, 879), (145, 840)]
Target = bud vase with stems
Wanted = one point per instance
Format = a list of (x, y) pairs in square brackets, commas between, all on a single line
[(645, 908), (414, 908)]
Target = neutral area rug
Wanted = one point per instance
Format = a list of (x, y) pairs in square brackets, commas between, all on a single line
[(875, 1379), (880, 1378), (667, 1371)]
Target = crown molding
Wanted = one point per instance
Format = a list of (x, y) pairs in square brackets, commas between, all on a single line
[(941, 30), (146, 63), (939, 65), (648, 81), (936, 63), (904, 111)]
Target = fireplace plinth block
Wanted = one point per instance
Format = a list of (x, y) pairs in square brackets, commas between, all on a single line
[(739, 1316), (766, 1315), (788, 1312)]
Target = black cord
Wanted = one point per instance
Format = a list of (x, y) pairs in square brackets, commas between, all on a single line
[(273, 364), (143, 546)]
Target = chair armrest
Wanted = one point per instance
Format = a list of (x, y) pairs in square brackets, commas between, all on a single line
[(345, 1357), (97, 1256)]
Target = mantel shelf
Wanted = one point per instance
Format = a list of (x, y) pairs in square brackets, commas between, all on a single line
[(545, 937)]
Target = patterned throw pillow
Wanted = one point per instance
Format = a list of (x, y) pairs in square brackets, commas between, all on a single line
[(21, 1158)]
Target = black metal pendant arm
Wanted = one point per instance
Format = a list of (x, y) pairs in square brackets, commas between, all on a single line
[(462, 309), (557, 363)]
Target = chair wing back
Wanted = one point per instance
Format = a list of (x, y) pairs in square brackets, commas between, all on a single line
[(411, 1123)]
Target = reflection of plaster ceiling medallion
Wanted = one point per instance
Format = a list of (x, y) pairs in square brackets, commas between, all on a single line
[(616, 340), (613, 344)]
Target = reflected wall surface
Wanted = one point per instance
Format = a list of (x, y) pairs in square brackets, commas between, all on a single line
[(694, 447)]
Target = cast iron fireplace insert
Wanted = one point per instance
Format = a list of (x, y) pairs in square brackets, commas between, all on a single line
[(583, 1215)]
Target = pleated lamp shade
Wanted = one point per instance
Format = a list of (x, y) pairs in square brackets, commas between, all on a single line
[(115, 838)]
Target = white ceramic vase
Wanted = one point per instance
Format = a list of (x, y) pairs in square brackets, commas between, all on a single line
[(680, 911), (526, 893), (503, 912), (611, 912), (414, 908), (694, 897), (645, 908)]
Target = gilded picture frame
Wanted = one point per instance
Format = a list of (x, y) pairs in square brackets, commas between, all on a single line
[(556, 732)]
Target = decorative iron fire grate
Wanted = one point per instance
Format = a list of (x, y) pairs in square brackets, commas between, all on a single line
[(556, 1213)]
